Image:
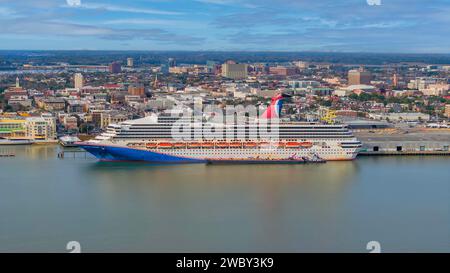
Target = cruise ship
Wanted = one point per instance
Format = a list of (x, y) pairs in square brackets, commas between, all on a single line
[(152, 139)]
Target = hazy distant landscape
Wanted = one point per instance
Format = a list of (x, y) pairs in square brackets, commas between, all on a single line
[(9, 58)]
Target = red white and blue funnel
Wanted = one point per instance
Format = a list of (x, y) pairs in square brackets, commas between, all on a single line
[(274, 109)]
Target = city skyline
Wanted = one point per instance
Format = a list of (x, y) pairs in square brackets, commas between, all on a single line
[(243, 25)]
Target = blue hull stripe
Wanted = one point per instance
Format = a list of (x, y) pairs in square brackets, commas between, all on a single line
[(116, 153)]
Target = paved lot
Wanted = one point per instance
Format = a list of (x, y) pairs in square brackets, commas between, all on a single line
[(419, 134)]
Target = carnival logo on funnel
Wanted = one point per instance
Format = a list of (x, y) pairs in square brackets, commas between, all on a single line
[(274, 109)]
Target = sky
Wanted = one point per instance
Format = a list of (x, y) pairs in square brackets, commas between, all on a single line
[(394, 26)]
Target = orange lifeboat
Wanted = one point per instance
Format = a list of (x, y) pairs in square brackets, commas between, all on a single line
[(165, 145), (281, 145), (151, 145), (194, 145), (179, 145), (292, 144), (306, 144), (250, 145), (207, 145), (235, 145), (222, 144)]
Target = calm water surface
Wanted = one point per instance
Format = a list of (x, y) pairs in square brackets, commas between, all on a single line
[(402, 202)]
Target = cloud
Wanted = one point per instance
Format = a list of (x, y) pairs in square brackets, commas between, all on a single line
[(73, 3), (245, 4), (117, 8), (351, 25), (160, 22), (66, 29)]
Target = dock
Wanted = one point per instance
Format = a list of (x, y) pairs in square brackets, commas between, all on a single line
[(7, 155), (407, 142), (73, 154)]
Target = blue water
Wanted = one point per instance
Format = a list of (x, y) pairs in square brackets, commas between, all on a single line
[(45, 202)]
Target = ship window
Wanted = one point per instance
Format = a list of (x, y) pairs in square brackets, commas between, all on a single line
[(399, 148), (376, 149)]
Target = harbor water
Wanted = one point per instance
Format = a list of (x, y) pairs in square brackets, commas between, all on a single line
[(46, 201)]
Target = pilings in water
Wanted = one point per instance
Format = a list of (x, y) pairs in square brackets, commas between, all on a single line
[(72, 154)]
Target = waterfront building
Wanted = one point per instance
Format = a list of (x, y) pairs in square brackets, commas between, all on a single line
[(447, 110), (12, 128), (234, 70), (78, 80), (111, 117), (360, 76), (41, 128), (32, 128)]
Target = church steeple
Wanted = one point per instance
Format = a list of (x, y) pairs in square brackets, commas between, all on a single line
[(156, 83), (17, 82)]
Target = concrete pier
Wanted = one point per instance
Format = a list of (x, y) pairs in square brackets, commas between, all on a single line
[(418, 141)]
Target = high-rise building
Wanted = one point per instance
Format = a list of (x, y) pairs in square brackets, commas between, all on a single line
[(234, 70), (395, 80), (115, 67), (164, 69), (130, 62), (212, 66), (359, 76), (78, 80), (172, 62)]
